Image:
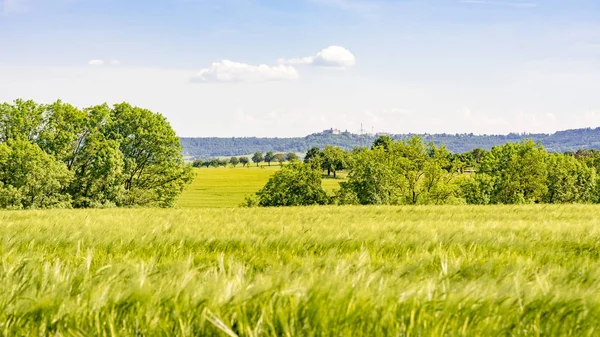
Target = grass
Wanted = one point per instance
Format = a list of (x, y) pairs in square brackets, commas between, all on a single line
[(228, 187), (328, 271)]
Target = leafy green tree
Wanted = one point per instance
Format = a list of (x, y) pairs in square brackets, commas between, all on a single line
[(98, 174), (518, 172), (257, 158), (279, 157), (296, 184), (269, 157), (21, 120), (312, 153), (569, 180), (198, 163), (234, 161), (30, 178), (383, 141), (244, 161), (371, 181), (154, 172), (334, 159), (291, 156), (406, 172)]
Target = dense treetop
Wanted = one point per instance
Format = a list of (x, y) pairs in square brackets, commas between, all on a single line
[(57, 155)]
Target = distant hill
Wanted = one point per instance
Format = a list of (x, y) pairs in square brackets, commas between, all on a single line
[(560, 141)]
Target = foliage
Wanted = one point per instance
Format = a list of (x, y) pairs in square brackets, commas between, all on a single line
[(402, 172), (257, 158), (124, 155), (269, 157), (296, 184), (334, 159), (234, 161), (30, 178), (312, 153), (518, 173), (279, 157), (244, 161), (291, 156)]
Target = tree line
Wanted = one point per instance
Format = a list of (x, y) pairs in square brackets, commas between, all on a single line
[(57, 155), (257, 158), (561, 141), (413, 172)]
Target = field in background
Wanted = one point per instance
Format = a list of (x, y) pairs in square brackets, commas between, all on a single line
[(325, 271), (228, 187)]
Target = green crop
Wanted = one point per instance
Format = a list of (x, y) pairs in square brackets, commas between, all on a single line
[(315, 271)]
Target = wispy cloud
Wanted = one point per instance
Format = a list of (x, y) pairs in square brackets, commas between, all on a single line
[(501, 3), (99, 62), (229, 71), (333, 57)]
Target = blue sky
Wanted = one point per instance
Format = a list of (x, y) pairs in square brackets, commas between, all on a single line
[(289, 68)]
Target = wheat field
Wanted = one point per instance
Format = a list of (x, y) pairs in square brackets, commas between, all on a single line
[(322, 271)]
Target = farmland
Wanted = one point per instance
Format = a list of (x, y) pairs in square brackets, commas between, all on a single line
[(227, 187), (314, 271)]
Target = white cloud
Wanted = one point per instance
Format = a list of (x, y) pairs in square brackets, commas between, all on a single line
[(229, 71), (99, 62), (96, 62), (333, 56)]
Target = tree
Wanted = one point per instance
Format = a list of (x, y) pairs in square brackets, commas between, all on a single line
[(518, 172), (257, 158), (30, 178), (383, 141), (198, 163), (153, 172), (312, 153), (244, 161), (334, 159), (569, 180), (234, 161), (291, 156), (269, 157), (279, 157), (295, 184)]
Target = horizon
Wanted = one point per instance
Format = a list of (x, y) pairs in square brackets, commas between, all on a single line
[(470, 134), (260, 68)]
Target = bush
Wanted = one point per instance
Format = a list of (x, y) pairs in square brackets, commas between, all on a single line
[(296, 184)]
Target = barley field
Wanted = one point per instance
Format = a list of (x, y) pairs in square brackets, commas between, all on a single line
[(225, 187), (323, 271)]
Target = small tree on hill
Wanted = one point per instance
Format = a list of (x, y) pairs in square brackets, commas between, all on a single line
[(312, 153), (291, 156), (244, 161), (257, 158), (269, 157), (234, 161), (279, 157)]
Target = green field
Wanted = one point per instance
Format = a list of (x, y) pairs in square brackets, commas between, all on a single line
[(228, 187), (325, 271)]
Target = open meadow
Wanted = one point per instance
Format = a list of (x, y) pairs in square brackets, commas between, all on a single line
[(314, 271), (227, 187)]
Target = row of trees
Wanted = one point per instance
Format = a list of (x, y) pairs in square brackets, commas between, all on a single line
[(413, 172), (257, 158), (57, 155)]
